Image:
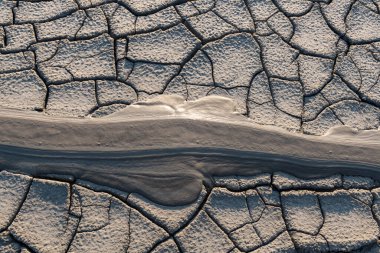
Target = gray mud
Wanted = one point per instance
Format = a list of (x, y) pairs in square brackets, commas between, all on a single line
[(168, 153)]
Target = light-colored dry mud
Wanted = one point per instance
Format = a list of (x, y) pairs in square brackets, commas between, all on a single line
[(95, 157), (305, 66), (264, 213)]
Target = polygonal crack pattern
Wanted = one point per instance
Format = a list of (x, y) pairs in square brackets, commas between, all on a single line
[(262, 213), (302, 65)]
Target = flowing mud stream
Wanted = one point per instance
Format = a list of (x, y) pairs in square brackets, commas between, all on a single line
[(166, 149)]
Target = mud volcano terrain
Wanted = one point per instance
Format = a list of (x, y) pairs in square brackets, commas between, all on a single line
[(189, 126)]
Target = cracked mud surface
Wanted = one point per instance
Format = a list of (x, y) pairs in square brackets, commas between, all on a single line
[(140, 172), (302, 65), (264, 213)]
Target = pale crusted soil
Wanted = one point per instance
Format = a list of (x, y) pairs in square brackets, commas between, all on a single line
[(302, 65), (305, 66), (264, 213)]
